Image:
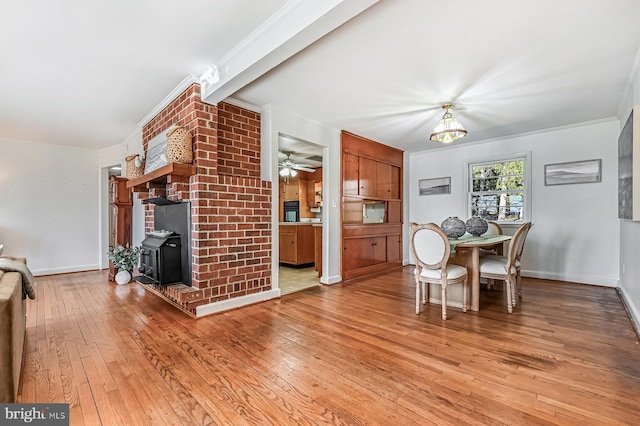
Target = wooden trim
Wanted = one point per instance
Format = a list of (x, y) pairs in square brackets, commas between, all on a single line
[(163, 174), (372, 269)]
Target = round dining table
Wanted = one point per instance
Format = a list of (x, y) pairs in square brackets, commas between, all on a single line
[(467, 254)]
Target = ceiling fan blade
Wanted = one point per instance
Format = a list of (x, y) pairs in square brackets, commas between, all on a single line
[(305, 169)]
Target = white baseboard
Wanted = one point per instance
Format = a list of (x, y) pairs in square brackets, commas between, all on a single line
[(236, 302), (634, 310), (331, 280), (65, 270), (582, 279)]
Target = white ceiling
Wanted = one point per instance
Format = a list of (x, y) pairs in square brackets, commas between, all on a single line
[(509, 66), (84, 73)]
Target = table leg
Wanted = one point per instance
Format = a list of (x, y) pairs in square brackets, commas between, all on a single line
[(474, 277), (469, 257)]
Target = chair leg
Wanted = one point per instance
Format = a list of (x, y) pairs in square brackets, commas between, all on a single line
[(425, 293), (443, 301), (465, 289), (519, 283), (507, 289), (417, 296)]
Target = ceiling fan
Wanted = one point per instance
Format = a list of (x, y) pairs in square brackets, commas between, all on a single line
[(288, 167)]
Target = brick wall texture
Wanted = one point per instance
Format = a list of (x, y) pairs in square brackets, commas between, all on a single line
[(230, 205)]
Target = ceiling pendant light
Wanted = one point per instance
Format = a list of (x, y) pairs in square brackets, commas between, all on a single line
[(287, 173), (448, 129)]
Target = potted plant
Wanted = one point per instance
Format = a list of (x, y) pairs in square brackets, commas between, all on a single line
[(124, 258)]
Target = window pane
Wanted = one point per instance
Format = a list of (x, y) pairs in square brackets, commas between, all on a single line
[(498, 206), (498, 190)]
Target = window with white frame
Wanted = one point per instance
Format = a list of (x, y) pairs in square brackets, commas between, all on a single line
[(498, 189)]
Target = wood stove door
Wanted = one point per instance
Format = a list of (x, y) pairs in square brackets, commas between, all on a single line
[(150, 263)]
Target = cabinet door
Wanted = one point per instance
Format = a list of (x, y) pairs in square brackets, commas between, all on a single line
[(305, 244), (394, 212), (367, 177), (287, 247), (350, 174), (394, 194), (383, 180), (311, 193), (292, 191), (394, 248), (361, 252), (351, 211)]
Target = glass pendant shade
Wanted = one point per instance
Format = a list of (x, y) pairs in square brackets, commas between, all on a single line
[(448, 129), (287, 172)]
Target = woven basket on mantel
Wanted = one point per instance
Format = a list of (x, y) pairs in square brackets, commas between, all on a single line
[(179, 147), (133, 171)]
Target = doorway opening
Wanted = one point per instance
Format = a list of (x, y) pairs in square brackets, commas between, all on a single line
[(300, 214)]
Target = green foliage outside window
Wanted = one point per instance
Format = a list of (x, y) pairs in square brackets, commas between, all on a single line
[(498, 190)]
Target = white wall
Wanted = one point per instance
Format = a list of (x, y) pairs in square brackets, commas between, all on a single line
[(629, 230), (276, 121), (575, 235), (49, 206)]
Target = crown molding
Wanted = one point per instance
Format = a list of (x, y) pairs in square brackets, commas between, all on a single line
[(243, 104), (184, 85)]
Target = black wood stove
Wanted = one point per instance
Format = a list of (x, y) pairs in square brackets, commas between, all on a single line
[(160, 260)]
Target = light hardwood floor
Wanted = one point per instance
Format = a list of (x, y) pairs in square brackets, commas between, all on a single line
[(353, 353)]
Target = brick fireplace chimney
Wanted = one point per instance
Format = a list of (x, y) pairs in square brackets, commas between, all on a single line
[(230, 205)]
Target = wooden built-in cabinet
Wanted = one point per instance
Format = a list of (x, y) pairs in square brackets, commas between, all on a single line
[(120, 205), (297, 246), (371, 172), (370, 178)]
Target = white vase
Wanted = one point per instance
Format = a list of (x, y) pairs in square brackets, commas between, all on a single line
[(123, 277)]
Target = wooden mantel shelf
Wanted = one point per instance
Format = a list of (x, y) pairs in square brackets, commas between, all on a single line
[(163, 175)]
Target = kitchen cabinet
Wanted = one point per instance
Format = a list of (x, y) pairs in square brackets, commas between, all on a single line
[(292, 190), (296, 244), (120, 205), (317, 250)]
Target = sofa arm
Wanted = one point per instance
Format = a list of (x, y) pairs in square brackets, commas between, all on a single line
[(12, 334)]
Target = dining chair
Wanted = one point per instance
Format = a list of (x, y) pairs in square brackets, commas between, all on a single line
[(430, 249), (518, 259), (506, 268), (493, 228)]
